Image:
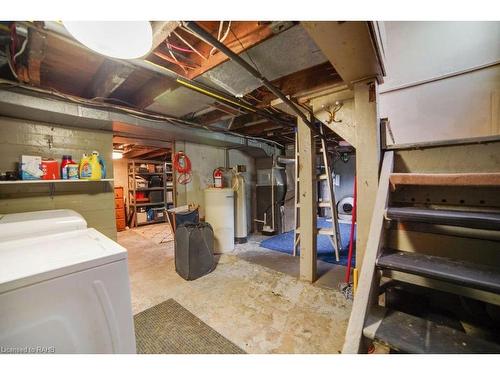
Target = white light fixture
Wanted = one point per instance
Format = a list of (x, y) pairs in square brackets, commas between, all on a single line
[(119, 39), (117, 154)]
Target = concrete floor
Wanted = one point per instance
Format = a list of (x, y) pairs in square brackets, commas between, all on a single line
[(253, 297)]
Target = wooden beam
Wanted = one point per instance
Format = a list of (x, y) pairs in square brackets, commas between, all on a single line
[(136, 153), (158, 153), (107, 79), (368, 278), (350, 46), (308, 204), (346, 128), (315, 78), (249, 33), (37, 43), (446, 179), (367, 158)]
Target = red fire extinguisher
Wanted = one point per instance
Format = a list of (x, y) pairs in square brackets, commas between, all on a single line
[(218, 178)]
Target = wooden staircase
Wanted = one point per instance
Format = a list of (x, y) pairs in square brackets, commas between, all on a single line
[(440, 272)]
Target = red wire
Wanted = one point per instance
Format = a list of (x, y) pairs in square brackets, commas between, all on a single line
[(183, 170), (179, 48), (351, 236)]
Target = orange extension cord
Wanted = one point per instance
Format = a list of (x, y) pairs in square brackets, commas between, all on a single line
[(182, 165)]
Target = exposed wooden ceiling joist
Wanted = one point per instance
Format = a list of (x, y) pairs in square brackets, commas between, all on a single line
[(315, 78), (36, 48)]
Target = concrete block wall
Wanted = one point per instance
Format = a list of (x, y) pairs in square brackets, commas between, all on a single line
[(94, 201), (204, 159)]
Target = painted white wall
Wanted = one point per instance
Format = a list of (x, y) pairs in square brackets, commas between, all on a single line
[(462, 106)]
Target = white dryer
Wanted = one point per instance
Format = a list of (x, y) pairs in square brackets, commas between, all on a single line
[(37, 223), (65, 292)]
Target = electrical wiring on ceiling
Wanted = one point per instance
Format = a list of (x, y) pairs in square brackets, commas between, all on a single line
[(184, 57), (189, 45), (23, 47), (172, 60), (173, 46), (183, 67), (212, 51), (130, 111)]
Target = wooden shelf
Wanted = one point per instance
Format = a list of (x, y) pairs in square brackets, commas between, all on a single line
[(147, 173), (149, 189), (17, 182), (146, 204)]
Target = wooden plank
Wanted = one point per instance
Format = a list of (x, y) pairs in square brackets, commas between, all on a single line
[(314, 78), (349, 46), (367, 158), (368, 278), (108, 78), (249, 34), (36, 54), (308, 204), (446, 179)]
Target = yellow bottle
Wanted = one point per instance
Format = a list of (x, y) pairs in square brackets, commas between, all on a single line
[(90, 168)]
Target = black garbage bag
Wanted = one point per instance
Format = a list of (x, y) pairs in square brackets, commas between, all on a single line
[(194, 250)]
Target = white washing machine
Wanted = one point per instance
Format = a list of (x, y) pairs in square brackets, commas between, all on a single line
[(36, 223), (65, 292)]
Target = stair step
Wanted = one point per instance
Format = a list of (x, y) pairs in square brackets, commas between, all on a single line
[(446, 179), (478, 220), (449, 270), (411, 334)]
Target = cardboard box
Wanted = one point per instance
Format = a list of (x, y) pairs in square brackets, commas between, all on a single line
[(50, 169), (142, 217), (31, 167)]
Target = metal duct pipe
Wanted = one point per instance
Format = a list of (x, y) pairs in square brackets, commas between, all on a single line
[(210, 39), (58, 30), (284, 160)]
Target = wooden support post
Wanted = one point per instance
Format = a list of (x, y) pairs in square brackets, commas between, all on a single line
[(367, 158), (308, 231)]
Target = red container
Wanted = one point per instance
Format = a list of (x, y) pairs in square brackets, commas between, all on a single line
[(66, 159), (50, 169)]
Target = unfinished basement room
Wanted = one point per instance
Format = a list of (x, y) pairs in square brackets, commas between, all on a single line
[(249, 187)]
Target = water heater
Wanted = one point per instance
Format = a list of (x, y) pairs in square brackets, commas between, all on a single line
[(240, 211), (219, 213)]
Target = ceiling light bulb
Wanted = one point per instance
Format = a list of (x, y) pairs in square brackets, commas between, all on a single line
[(118, 39)]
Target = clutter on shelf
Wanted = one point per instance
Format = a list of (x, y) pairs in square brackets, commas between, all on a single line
[(36, 167)]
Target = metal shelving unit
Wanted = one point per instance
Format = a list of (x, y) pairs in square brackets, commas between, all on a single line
[(133, 172)]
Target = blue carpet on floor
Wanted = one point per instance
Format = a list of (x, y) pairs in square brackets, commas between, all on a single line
[(284, 243)]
